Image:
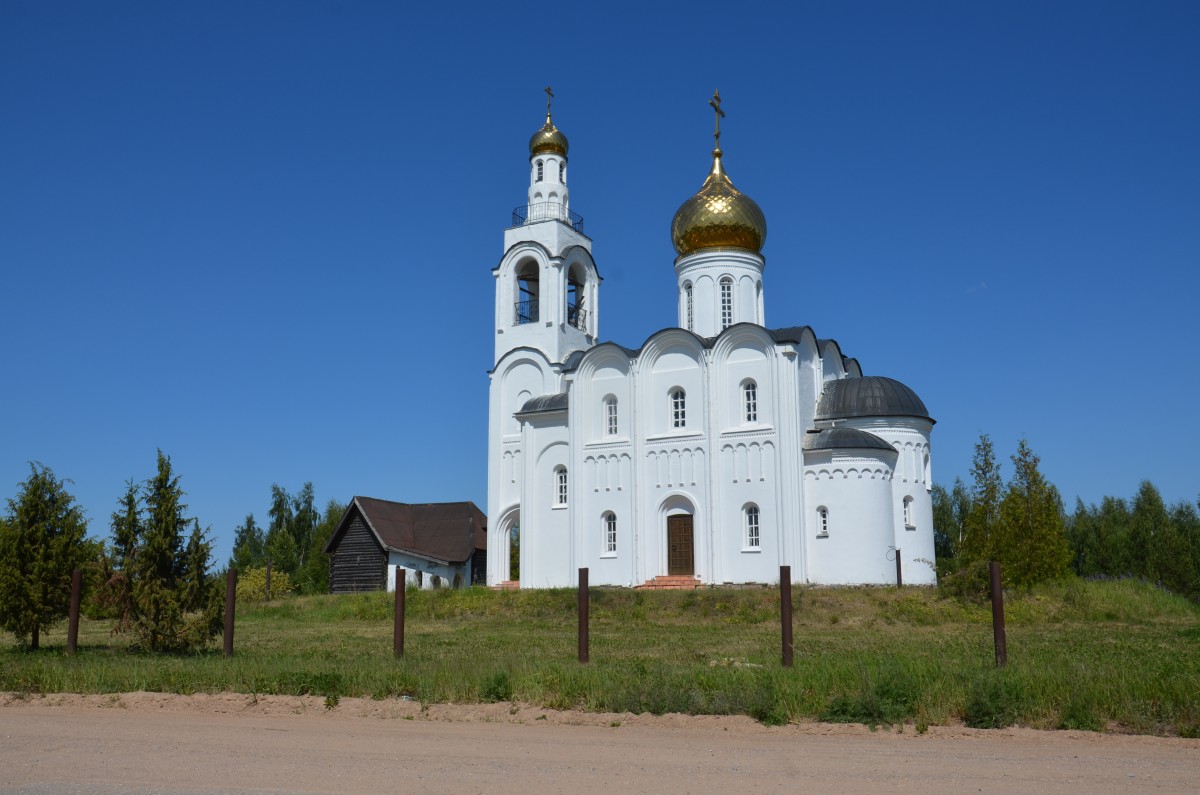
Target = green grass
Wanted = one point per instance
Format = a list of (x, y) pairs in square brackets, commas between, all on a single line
[(1082, 655)]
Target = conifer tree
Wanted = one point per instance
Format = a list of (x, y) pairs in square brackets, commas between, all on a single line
[(1148, 527), (249, 546), (195, 586), (980, 541), (116, 595), (42, 542), (1032, 539), (166, 604), (127, 524)]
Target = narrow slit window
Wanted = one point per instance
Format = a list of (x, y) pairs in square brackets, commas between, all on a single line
[(610, 533), (752, 528), (610, 416), (726, 303), (822, 522), (908, 518), (750, 401), (540, 172), (678, 409), (562, 173), (689, 310), (560, 486)]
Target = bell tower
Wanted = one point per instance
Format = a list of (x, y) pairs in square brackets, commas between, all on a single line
[(547, 286)]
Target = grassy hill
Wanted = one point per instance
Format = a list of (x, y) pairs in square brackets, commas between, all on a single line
[(1105, 656)]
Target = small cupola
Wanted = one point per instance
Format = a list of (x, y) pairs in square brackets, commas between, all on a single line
[(549, 139)]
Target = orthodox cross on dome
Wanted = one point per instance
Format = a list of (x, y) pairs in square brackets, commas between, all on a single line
[(720, 114), (549, 96)]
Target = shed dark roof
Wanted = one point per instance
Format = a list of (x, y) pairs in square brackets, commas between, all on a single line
[(555, 402), (844, 439), (444, 531), (869, 396)]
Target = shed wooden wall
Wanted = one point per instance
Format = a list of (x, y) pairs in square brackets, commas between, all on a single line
[(358, 563)]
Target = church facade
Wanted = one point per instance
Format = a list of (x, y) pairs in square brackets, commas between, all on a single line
[(717, 450)]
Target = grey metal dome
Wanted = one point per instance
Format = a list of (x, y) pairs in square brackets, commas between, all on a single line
[(555, 402), (844, 439), (869, 396)]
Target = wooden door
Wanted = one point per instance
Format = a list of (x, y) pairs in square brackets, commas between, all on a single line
[(679, 545)]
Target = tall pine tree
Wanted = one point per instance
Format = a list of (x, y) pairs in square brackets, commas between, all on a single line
[(980, 539), (168, 604), (1032, 539), (41, 542), (249, 546)]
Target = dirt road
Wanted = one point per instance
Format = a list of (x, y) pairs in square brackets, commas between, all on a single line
[(154, 743)]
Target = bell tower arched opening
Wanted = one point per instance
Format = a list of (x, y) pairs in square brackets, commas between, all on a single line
[(528, 294)]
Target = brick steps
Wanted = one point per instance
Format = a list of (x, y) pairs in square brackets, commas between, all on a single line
[(671, 582), (508, 585)]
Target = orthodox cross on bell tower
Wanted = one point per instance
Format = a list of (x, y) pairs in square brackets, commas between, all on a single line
[(720, 114), (549, 96)]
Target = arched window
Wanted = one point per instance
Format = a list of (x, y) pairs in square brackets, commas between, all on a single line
[(822, 522), (610, 416), (610, 533), (750, 401), (678, 408), (688, 311), (562, 172), (560, 485), (752, 534), (908, 517), (726, 302), (539, 171)]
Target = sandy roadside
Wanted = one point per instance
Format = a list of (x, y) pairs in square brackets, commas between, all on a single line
[(154, 742)]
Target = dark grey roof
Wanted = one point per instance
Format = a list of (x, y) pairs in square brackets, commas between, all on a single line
[(843, 439), (556, 402), (448, 531), (780, 335), (869, 396)]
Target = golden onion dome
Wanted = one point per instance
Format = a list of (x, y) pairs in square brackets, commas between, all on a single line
[(718, 216), (549, 139)]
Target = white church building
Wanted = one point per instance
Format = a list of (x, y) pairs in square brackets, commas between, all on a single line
[(717, 450)]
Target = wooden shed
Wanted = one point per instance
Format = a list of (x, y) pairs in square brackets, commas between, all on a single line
[(436, 544)]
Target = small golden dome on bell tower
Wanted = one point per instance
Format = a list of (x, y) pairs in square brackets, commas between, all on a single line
[(549, 139)]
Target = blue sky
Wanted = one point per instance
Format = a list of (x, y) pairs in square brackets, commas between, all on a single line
[(259, 236)]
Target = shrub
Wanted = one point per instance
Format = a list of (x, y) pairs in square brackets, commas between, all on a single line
[(497, 687), (252, 585), (996, 701)]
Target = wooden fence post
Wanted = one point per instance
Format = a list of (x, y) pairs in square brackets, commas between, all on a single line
[(230, 600), (785, 612), (584, 607), (998, 616)]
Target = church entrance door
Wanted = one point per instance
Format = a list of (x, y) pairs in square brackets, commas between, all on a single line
[(679, 545)]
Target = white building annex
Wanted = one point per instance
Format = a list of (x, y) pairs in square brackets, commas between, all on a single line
[(717, 450)]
